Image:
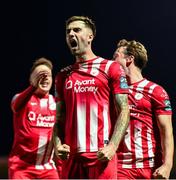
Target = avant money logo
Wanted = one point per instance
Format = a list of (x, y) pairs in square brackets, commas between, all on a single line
[(69, 84), (87, 85)]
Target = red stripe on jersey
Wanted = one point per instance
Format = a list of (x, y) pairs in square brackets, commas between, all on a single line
[(88, 124)]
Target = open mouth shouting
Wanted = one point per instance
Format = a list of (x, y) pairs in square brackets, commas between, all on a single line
[(73, 44)]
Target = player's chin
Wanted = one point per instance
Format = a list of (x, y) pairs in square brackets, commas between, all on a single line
[(45, 89)]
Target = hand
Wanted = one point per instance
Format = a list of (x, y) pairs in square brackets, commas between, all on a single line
[(62, 151), (106, 153), (37, 76), (68, 68), (163, 172)]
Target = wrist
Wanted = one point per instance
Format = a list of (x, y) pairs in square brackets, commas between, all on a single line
[(111, 144)]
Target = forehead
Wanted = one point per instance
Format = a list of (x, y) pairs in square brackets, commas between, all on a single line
[(42, 67), (75, 24)]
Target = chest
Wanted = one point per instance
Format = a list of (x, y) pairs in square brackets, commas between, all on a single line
[(140, 99), (86, 82), (41, 112)]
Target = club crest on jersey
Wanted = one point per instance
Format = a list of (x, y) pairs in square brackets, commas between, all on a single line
[(94, 72), (123, 82), (138, 96)]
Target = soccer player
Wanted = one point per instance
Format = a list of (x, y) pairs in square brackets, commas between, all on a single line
[(83, 93), (146, 151), (34, 111)]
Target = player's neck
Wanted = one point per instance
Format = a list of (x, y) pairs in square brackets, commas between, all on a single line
[(41, 94), (134, 75), (86, 56)]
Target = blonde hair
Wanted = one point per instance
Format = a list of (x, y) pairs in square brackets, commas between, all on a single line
[(136, 49), (42, 61)]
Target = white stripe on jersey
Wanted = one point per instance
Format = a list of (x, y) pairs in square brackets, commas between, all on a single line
[(41, 151), (39, 167), (52, 104), (137, 133), (127, 162), (107, 66), (95, 67), (140, 88), (152, 88), (138, 148), (43, 103), (81, 126), (48, 166), (49, 152), (106, 127), (142, 84), (150, 148), (93, 127)]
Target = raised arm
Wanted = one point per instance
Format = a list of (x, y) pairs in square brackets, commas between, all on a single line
[(19, 100), (22, 98)]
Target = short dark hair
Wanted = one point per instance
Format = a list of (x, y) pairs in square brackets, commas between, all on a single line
[(88, 22)]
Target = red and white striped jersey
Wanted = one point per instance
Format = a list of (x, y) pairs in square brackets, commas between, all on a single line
[(141, 145), (86, 90), (33, 125)]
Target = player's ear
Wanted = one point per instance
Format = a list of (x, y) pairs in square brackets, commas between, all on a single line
[(129, 60), (90, 37)]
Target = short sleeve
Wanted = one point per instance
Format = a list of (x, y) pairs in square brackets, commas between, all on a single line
[(118, 81), (161, 101)]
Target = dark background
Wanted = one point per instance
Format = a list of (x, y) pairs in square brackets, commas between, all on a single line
[(35, 28)]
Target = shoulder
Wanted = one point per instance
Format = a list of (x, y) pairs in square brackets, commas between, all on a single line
[(161, 97), (116, 69), (156, 86), (64, 71), (14, 97), (111, 64), (158, 90)]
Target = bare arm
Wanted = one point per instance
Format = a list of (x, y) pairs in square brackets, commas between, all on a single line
[(58, 130), (121, 103), (61, 150), (167, 142)]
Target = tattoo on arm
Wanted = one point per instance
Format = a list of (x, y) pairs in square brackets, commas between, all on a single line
[(121, 103)]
